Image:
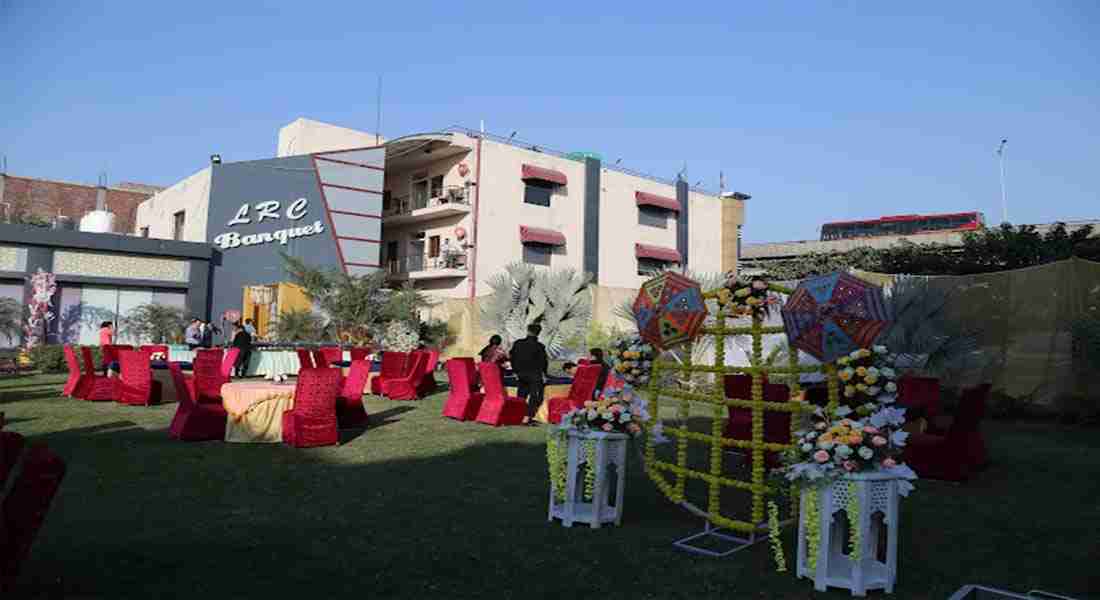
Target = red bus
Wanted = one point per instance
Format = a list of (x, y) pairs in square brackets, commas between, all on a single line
[(902, 225)]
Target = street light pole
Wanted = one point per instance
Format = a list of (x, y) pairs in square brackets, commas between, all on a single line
[(1004, 194)]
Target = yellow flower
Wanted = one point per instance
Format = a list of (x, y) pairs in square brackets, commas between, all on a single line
[(855, 438), (843, 361), (826, 437), (741, 293), (844, 375), (871, 379), (865, 353), (848, 393), (861, 371), (724, 295), (862, 387), (849, 388)]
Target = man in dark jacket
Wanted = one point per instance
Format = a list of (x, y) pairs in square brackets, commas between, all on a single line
[(243, 341), (209, 330), (529, 362), (605, 369)]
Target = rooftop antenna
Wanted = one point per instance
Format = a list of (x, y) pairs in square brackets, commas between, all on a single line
[(1004, 194), (378, 114)]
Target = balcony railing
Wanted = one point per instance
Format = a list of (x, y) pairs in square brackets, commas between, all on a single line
[(450, 196), (423, 264)]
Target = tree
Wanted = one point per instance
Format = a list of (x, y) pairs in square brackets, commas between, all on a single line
[(924, 335), (297, 326), (559, 301), (156, 323), (11, 319)]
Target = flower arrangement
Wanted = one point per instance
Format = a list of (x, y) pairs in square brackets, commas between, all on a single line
[(43, 288), (618, 411), (632, 359), (831, 448), (746, 298), (869, 379)]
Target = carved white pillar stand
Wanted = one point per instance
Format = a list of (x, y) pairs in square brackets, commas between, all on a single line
[(610, 449), (877, 496)]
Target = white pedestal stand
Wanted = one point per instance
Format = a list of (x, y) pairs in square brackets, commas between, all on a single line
[(602, 508), (878, 508)]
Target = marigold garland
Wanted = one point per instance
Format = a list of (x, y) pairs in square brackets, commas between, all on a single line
[(589, 468), (813, 528), (853, 522), (556, 459), (773, 535)]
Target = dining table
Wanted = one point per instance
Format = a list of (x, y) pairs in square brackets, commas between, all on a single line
[(255, 410), (265, 363)]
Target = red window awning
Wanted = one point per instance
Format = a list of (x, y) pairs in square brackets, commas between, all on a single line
[(646, 199), (542, 174), (656, 253), (537, 235)]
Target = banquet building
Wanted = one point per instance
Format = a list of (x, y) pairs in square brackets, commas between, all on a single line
[(444, 210)]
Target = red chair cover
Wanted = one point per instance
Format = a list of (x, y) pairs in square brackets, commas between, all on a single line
[(207, 380), (584, 386), (216, 353), (463, 399), (350, 411), (193, 421), (95, 388), (405, 387), (427, 385), (320, 360), (777, 424), (74, 372), (228, 362), (333, 354), (11, 445), (109, 353), (312, 421), (155, 349), (305, 359), (359, 353), (957, 454), (393, 365), (922, 393), (498, 408), (135, 383), (25, 509)]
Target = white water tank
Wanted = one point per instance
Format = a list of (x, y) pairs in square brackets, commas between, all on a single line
[(98, 221)]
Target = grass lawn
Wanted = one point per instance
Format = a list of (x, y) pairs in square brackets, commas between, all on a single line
[(419, 506)]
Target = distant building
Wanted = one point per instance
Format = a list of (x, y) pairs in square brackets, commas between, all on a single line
[(26, 199)]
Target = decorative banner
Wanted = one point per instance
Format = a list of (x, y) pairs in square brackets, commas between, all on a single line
[(832, 315), (232, 316), (669, 310)]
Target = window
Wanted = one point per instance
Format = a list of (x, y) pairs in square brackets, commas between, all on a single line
[(177, 225), (650, 266), (653, 216), (433, 246), (437, 186), (538, 192), (144, 232), (419, 191), (537, 254)]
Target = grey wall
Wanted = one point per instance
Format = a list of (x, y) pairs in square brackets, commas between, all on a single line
[(592, 218), (279, 179)]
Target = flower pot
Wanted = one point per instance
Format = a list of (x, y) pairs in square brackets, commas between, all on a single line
[(595, 462)]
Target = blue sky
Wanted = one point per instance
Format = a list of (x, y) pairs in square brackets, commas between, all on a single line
[(823, 111)]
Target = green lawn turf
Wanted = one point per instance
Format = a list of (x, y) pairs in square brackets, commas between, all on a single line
[(419, 506)]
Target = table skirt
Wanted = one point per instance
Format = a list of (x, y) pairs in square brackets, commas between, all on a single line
[(256, 411)]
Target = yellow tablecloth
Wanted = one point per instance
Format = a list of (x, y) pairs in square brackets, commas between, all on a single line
[(256, 410), (550, 391)]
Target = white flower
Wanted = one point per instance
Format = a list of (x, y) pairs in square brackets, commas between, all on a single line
[(866, 453), (843, 451), (811, 435), (624, 417), (887, 398), (606, 416), (854, 354), (888, 373), (880, 349), (874, 371), (898, 438), (891, 387), (873, 390), (824, 445), (842, 411), (807, 447)]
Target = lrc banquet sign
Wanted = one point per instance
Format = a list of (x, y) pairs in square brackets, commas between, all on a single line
[(268, 211)]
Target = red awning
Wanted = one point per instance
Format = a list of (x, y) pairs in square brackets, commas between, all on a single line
[(536, 235), (645, 199), (533, 172), (656, 252)]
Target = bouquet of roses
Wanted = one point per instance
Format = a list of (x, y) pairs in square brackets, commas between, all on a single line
[(869, 379), (618, 411), (746, 298), (632, 359)]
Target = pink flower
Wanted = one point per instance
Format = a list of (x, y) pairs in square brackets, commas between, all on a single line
[(871, 429), (889, 463), (878, 440), (607, 427), (616, 408), (821, 456), (850, 465)]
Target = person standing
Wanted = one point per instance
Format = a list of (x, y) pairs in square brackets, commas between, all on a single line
[(208, 331), (250, 327), (106, 334), (242, 340), (530, 363), (596, 355), (493, 353), (192, 336)]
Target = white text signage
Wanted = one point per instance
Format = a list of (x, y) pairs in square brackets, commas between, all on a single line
[(263, 211)]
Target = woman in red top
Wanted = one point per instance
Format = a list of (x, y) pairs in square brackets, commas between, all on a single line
[(106, 334), (493, 353)]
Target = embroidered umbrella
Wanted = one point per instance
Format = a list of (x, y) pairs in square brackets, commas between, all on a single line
[(831, 315), (669, 310)]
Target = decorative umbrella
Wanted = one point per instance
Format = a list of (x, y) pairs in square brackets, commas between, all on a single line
[(669, 310), (831, 315)]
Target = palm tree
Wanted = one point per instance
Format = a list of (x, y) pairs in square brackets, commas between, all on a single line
[(155, 323), (559, 301), (297, 326), (924, 334)]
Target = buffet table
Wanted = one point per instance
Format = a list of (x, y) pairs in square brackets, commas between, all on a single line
[(263, 363)]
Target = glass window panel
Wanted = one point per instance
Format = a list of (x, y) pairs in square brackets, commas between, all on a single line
[(96, 305), (653, 217), (128, 300), (538, 192), (68, 314), (360, 227), (350, 175), (537, 254), (361, 252), (353, 201)]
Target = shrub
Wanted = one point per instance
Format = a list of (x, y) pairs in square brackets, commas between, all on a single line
[(400, 337), (436, 333), (50, 358)]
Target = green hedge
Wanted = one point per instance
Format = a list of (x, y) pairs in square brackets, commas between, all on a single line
[(50, 358)]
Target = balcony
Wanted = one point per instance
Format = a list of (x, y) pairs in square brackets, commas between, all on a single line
[(449, 202), (418, 266)]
